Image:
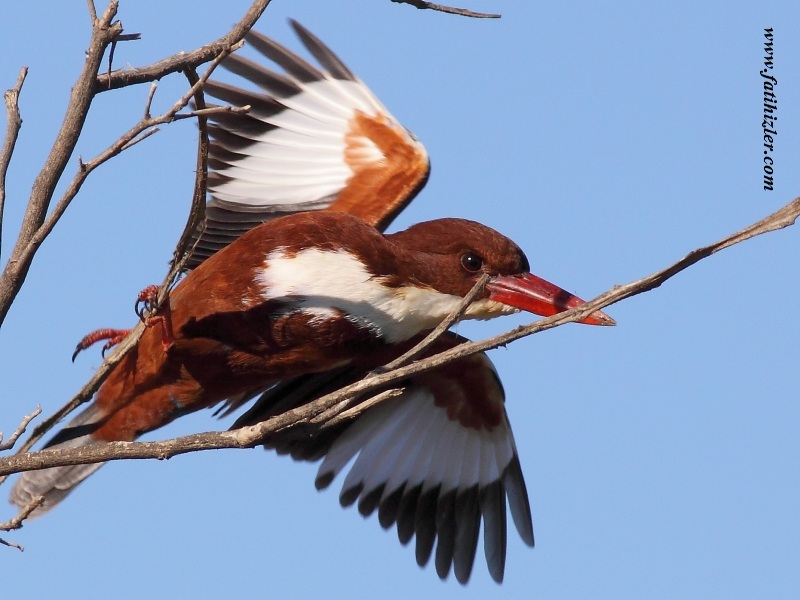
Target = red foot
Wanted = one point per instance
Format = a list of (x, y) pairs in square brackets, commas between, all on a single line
[(114, 337), (150, 314)]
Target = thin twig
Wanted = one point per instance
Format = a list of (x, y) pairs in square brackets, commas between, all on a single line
[(150, 95), (182, 61), (127, 37), (440, 329), (118, 146), (140, 138), (13, 125), (11, 544), (16, 522), (92, 13), (7, 445), (423, 5), (214, 110), (335, 415)]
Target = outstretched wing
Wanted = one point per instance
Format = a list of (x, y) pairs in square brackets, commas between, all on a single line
[(438, 459), (315, 138), (433, 462)]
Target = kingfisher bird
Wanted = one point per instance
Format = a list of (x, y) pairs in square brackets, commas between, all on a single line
[(293, 290)]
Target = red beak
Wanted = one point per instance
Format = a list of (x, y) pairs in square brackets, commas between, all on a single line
[(531, 293)]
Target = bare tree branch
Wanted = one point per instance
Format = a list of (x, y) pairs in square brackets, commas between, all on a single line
[(13, 125), (182, 61), (11, 544), (92, 12), (38, 225), (249, 437), (422, 4), (7, 445), (16, 522), (196, 216), (103, 32), (324, 412)]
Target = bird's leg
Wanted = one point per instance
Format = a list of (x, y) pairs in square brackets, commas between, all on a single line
[(151, 313), (114, 337)]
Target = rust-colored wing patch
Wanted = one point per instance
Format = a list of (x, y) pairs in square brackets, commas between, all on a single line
[(389, 168)]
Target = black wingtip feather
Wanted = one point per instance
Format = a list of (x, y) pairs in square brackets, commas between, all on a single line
[(274, 83), (407, 514), (288, 60), (514, 482), (369, 501), (425, 525), (326, 57), (492, 501), (350, 495), (389, 508), (323, 480), (446, 532), (468, 524), (261, 106)]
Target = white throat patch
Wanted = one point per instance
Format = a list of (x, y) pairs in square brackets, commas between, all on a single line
[(322, 283)]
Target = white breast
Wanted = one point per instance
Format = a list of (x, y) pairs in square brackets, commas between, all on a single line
[(324, 283)]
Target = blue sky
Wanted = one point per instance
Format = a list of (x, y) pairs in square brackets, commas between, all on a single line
[(608, 139)]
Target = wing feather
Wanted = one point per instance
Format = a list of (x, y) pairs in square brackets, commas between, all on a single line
[(435, 461), (315, 138)]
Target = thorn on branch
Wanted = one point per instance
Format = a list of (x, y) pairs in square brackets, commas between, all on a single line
[(139, 138), (126, 37)]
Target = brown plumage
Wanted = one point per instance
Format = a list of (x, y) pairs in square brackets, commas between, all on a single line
[(294, 290)]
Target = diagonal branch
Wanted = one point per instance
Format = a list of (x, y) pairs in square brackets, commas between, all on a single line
[(182, 61), (249, 437), (9, 443), (422, 5), (196, 216), (16, 522), (441, 328), (103, 33)]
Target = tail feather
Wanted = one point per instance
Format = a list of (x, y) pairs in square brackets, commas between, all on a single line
[(56, 483)]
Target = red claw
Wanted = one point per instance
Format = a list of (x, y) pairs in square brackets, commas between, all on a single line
[(150, 314), (114, 337)]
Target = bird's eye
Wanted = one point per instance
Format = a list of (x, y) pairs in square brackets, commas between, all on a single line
[(471, 262)]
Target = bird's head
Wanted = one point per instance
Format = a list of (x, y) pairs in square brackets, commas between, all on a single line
[(458, 252)]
